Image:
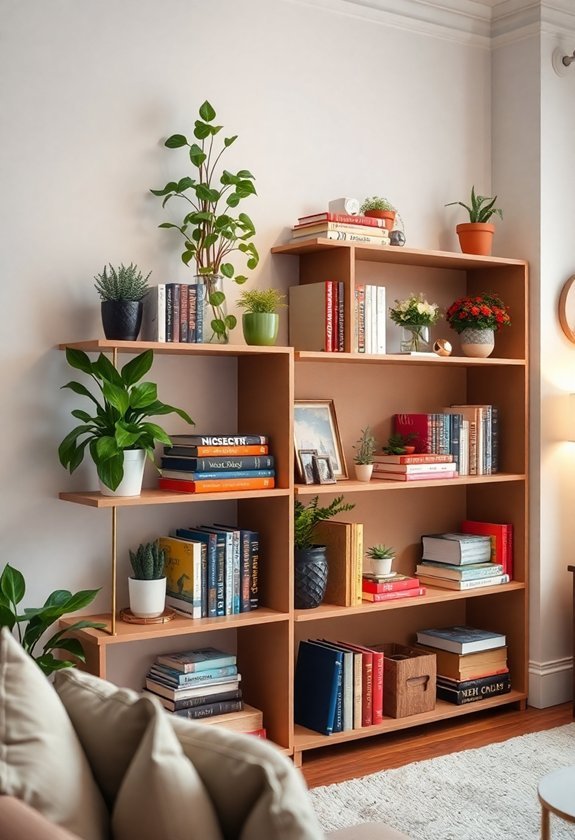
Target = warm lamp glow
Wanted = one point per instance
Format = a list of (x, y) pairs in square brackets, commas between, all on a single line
[(571, 419)]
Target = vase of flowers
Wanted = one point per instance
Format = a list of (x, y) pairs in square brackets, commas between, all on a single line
[(477, 319), (414, 315)]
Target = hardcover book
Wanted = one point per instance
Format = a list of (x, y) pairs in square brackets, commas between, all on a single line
[(198, 659), (460, 639), (337, 536), (379, 597), (196, 702), (176, 678), (317, 676), (207, 451), (211, 687), (501, 536), (210, 710), (311, 324), (246, 719), (461, 585), (373, 583), (385, 475), (456, 548), (473, 690), (417, 459), (470, 571), (215, 485), (469, 666), (218, 464), (218, 440), (343, 218), (214, 595), (184, 571)]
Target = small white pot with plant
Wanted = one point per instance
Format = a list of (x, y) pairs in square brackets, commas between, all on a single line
[(260, 321), (364, 452), (147, 586), (381, 559)]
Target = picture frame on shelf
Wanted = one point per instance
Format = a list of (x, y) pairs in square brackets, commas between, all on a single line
[(315, 427), (305, 458), (323, 469)]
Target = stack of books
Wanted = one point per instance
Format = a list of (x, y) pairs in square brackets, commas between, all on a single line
[(175, 312), (217, 463), (458, 561), (341, 227), (501, 536), (377, 588), (471, 663), (212, 570), (317, 316), (416, 467)]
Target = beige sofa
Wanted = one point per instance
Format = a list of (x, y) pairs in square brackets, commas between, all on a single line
[(85, 759)]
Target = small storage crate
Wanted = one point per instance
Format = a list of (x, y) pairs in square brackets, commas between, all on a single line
[(408, 680)]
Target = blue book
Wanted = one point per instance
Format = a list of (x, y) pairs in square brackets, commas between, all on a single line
[(205, 475), (316, 688), (200, 303), (175, 677), (460, 639), (210, 541)]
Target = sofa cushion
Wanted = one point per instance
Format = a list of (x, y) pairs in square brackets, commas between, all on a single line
[(41, 758), (19, 821)]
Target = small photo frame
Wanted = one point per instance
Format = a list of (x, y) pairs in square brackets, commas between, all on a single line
[(315, 427), (305, 458), (323, 469)]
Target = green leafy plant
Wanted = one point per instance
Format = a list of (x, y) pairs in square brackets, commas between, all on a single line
[(121, 283), (148, 561), (414, 310), (481, 209), (307, 516), (120, 420), (32, 623), (261, 300), (396, 443), (380, 552), (482, 312), (366, 446), (376, 202), (211, 233)]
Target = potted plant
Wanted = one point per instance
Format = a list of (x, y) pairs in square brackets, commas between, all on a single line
[(415, 315), (122, 291), (260, 321), (118, 434), (32, 623), (379, 208), (381, 559), (398, 444), (476, 319), (211, 233), (364, 452), (476, 236), (147, 586), (311, 567)]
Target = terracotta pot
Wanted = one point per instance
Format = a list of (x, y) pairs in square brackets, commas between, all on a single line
[(476, 238), (387, 215)]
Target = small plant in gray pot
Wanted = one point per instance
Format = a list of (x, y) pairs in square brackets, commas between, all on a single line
[(147, 585), (381, 559), (260, 321), (364, 452), (122, 291)]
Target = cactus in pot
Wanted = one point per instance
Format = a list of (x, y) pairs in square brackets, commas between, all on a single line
[(147, 586)]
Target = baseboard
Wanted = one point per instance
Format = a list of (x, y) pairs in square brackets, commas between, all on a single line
[(550, 683)]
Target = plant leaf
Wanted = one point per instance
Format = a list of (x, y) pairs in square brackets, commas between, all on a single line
[(12, 584), (206, 111), (176, 141)]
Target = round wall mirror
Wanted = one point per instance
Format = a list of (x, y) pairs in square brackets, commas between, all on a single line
[(567, 308)]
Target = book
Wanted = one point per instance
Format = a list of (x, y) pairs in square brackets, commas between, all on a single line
[(310, 317), (473, 690), (214, 598), (197, 659), (378, 597), (189, 451), (215, 485), (470, 571), (216, 474), (317, 675), (461, 585), (367, 681), (246, 719), (196, 702), (211, 687), (183, 571), (460, 638), (154, 319), (323, 228), (470, 666), (456, 548), (416, 458), (384, 475), (176, 678), (342, 218), (347, 680), (337, 536), (218, 464), (414, 469), (398, 583), (346, 236), (219, 440), (229, 584), (210, 710), (501, 536)]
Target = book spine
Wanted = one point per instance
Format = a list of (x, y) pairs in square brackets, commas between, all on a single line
[(254, 569), (414, 469), (328, 316), (338, 716), (462, 696), (185, 450), (222, 707), (335, 314), (192, 303), (377, 703), (377, 597), (320, 228), (367, 692), (243, 574), (412, 459), (223, 440), (176, 312), (374, 586), (360, 305), (184, 311), (176, 678), (422, 476), (381, 320), (170, 312), (348, 236), (219, 465), (341, 317), (357, 689), (202, 475), (342, 218), (215, 485), (418, 425), (494, 439), (200, 306), (368, 319), (204, 591), (220, 575), (434, 569), (229, 575)]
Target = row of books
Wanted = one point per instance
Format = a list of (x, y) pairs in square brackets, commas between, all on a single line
[(369, 333), (342, 227), (175, 312), (316, 317), (217, 463), (416, 467), (212, 570)]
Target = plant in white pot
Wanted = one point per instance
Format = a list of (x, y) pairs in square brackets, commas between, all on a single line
[(364, 452), (118, 434), (260, 321), (122, 291), (381, 559), (147, 585)]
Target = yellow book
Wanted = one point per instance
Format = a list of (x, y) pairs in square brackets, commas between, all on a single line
[(184, 572)]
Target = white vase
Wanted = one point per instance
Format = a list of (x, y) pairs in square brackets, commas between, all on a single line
[(477, 343), (147, 597), (131, 484), (363, 472), (381, 565)]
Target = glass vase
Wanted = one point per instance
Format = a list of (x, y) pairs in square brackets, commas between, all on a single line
[(215, 309), (415, 339)]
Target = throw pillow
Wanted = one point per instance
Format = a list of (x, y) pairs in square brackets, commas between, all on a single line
[(41, 758)]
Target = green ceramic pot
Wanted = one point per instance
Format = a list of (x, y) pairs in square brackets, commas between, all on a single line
[(260, 328)]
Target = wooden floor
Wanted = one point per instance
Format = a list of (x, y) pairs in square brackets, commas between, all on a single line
[(348, 761)]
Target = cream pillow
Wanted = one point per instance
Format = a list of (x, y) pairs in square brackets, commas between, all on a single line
[(41, 758)]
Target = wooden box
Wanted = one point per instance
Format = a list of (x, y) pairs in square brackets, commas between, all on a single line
[(408, 680)]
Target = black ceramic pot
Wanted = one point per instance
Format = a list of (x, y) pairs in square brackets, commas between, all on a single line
[(122, 319), (310, 576)]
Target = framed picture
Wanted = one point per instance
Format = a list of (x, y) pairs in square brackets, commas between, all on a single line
[(315, 427), (307, 474), (323, 469)]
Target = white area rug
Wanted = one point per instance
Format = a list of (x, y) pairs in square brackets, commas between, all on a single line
[(482, 794)]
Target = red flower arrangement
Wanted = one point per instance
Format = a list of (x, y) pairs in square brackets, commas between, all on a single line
[(483, 312)]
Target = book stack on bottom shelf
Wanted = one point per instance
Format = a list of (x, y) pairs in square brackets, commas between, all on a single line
[(459, 561), (471, 662)]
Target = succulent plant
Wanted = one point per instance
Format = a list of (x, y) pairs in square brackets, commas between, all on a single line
[(148, 561), (380, 552), (481, 209), (396, 443), (366, 447), (121, 283)]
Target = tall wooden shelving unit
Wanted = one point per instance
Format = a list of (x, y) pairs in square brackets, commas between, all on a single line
[(366, 390)]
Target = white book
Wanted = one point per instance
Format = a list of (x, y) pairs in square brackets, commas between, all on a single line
[(367, 318), (381, 320), (154, 321)]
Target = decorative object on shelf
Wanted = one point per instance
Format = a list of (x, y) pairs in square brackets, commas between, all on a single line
[(305, 460), (381, 559), (567, 308), (379, 208), (128, 616), (210, 232), (311, 562), (348, 206), (476, 319), (39, 619), (476, 236), (122, 291), (397, 237), (323, 469), (260, 321), (147, 586), (120, 425), (414, 315), (364, 451), (442, 347), (315, 427), (398, 444)]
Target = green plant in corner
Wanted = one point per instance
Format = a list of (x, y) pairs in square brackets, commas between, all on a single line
[(481, 209), (366, 446), (38, 620), (261, 300), (121, 415), (122, 283), (211, 233), (148, 561), (307, 516)]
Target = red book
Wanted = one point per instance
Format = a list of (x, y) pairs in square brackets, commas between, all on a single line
[(216, 485), (372, 683), (420, 458), (377, 597), (188, 451), (391, 476), (342, 218), (501, 541), (418, 426), (396, 584)]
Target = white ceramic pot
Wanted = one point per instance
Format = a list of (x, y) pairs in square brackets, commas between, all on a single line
[(477, 343), (131, 484), (363, 471), (147, 597), (381, 565)]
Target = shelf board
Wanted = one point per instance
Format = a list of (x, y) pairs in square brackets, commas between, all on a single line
[(307, 739), (179, 626), (433, 595), (375, 485), (164, 497), (402, 359), (101, 345)]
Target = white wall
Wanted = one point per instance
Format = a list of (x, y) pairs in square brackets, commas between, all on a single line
[(325, 104)]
